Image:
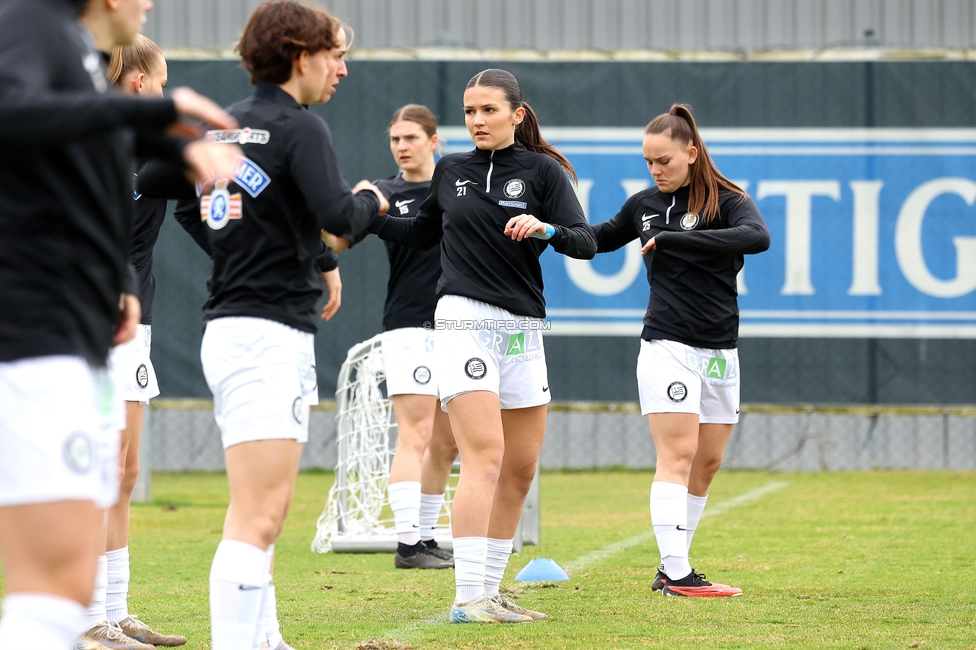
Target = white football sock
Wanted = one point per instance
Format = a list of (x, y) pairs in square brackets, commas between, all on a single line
[(117, 594), (470, 554), (430, 512), (669, 516), (499, 550), (95, 613), (405, 503), (41, 621), (696, 506), (271, 629), (238, 581)]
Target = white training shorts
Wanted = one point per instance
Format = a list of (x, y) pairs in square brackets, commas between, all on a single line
[(482, 347), (262, 376), (408, 358), (676, 378), (58, 439), (132, 370)]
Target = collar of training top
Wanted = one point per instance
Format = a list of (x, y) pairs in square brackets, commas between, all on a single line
[(500, 154), (271, 92)]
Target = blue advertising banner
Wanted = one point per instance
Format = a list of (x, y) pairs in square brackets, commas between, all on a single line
[(873, 231)]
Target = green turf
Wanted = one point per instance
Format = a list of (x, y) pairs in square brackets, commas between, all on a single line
[(862, 560)]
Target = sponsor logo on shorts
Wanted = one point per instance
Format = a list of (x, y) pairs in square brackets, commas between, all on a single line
[(142, 375), (717, 371), (78, 453), (298, 409), (148, 337), (421, 374), (475, 368), (516, 347), (677, 391), (514, 188), (689, 221)]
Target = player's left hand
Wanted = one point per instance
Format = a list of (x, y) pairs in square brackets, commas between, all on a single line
[(650, 245), (520, 227), (130, 315), (334, 283)]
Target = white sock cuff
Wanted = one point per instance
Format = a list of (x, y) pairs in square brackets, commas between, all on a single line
[(500, 547), (431, 499), (239, 562), (117, 555), (470, 557), (408, 491), (669, 504)]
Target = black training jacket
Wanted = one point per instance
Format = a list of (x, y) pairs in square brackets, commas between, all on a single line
[(471, 198), (410, 292), (693, 271), (147, 218), (67, 143), (264, 234)]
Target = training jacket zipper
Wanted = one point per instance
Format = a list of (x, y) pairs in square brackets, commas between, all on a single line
[(667, 215), (491, 166)]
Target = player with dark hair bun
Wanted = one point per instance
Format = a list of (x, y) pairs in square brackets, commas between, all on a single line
[(493, 211), (695, 226)]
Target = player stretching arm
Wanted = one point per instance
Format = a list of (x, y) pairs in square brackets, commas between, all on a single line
[(494, 210), (264, 237), (695, 226), (66, 149)]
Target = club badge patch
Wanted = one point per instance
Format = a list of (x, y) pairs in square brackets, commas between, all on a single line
[(220, 206), (142, 375), (689, 221), (677, 392), (475, 368), (78, 453), (514, 188), (421, 374), (297, 409)]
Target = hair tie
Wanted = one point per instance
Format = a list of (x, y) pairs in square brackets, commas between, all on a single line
[(673, 112)]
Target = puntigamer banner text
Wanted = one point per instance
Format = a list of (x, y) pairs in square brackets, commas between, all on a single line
[(873, 231)]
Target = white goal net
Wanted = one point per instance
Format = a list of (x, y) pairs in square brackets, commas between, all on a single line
[(357, 516)]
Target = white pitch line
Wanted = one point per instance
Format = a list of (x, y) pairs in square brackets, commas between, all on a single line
[(601, 554)]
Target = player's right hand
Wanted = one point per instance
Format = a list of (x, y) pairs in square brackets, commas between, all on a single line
[(208, 161), (193, 105), (366, 185), (335, 242), (130, 315)]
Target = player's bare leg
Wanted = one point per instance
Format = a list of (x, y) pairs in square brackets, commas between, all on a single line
[(261, 475), (525, 430), (117, 537), (477, 423), (415, 416), (435, 471), (677, 439)]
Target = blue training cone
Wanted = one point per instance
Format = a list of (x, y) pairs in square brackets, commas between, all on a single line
[(542, 569)]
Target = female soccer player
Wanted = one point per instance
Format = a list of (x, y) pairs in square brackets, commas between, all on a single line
[(136, 69), (66, 147), (425, 448), (264, 235), (695, 226), (494, 210)]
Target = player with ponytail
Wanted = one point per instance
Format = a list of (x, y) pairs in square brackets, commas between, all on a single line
[(493, 211), (695, 225)]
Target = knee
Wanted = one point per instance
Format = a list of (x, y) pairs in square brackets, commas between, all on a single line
[(710, 465), (518, 477), (128, 484), (414, 439)]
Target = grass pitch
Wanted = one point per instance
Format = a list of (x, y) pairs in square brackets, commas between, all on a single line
[(860, 560)]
